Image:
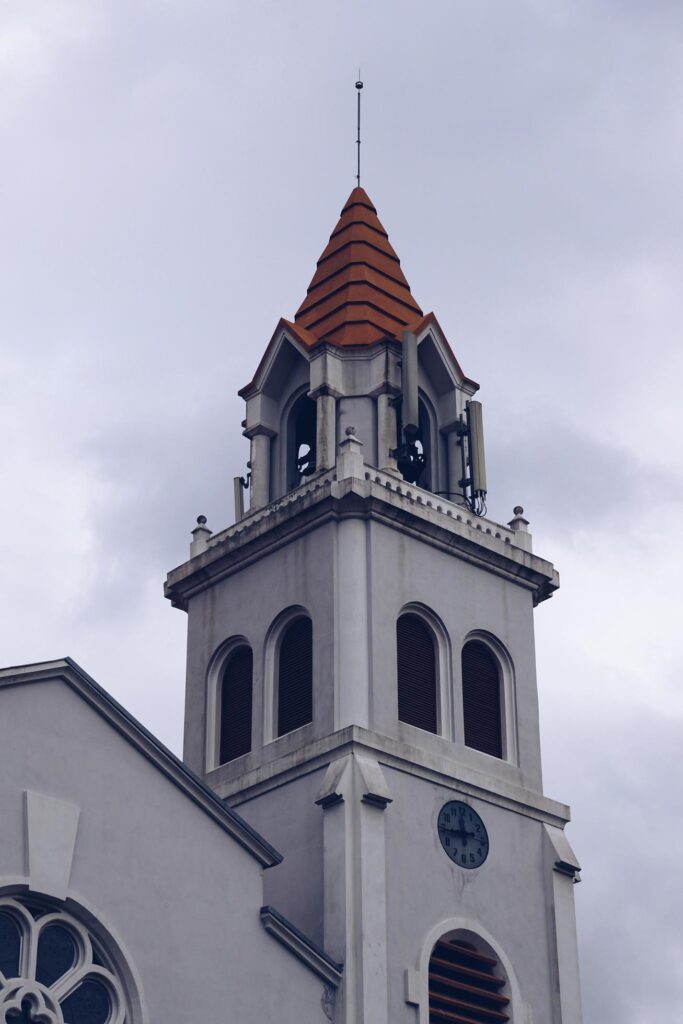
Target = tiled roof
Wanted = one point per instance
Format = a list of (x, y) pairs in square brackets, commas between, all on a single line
[(358, 294)]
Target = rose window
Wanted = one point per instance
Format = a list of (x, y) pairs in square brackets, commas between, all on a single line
[(52, 970)]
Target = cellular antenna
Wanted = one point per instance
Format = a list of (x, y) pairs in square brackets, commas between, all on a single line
[(359, 86)]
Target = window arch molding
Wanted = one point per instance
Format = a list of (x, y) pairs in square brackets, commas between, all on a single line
[(469, 930), (273, 643), (442, 643), (111, 966), (508, 695), (214, 677)]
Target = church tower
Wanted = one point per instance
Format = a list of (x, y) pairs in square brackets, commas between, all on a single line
[(361, 681)]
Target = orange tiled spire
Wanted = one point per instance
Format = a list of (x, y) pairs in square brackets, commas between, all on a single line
[(358, 294)]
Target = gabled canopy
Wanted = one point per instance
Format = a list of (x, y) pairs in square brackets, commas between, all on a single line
[(358, 294)]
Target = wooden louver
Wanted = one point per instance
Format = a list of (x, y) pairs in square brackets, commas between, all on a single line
[(481, 698), (295, 677), (465, 986), (416, 657), (236, 700)]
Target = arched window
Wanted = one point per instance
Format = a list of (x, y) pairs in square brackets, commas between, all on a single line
[(465, 985), (295, 676), (236, 697), (416, 658), (301, 445), (481, 698), (54, 969)]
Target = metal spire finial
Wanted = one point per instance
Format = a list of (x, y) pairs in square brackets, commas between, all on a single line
[(359, 86)]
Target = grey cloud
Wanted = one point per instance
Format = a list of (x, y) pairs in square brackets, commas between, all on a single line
[(625, 789), (570, 482)]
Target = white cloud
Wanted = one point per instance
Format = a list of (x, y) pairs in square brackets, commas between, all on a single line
[(35, 34)]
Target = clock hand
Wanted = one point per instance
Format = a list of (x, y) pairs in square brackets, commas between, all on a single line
[(460, 832)]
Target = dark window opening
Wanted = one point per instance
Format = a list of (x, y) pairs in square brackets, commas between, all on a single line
[(89, 1003), (236, 702), (10, 946), (56, 954), (481, 697), (416, 657), (295, 677), (465, 985), (302, 441)]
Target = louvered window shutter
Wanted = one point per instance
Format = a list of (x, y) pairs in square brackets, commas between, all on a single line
[(481, 698), (416, 653), (465, 985), (295, 677), (236, 695)]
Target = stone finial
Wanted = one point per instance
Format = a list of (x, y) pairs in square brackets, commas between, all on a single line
[(350, 462), (200, 537), (520, 526)]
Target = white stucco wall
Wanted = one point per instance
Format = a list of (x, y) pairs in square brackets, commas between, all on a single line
[(179, 894)]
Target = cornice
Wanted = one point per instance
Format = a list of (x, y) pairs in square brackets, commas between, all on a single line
[(376, 496), (394, 754)]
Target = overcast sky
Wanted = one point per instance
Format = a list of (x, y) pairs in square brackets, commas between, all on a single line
[(170, 171)]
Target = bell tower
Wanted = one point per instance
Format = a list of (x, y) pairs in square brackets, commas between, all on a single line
[(361, 678)]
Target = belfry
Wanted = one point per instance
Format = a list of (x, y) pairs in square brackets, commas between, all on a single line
[(361, 684)]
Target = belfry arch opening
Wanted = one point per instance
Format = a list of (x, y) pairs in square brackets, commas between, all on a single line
[(301, 441), (416, 465)]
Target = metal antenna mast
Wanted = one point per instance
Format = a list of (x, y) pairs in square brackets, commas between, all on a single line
[(359, 86)]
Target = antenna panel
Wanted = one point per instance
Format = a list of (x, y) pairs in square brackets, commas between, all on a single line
[(476, 448), (239, 498), (410, 409)]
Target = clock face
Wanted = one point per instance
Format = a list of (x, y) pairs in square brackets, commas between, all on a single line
[(463, 834)]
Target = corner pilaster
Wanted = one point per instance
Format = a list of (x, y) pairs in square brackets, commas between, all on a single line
[(353, 796)]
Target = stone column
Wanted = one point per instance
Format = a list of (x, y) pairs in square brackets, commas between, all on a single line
[(260, 468), (386, 432), (326, 430)]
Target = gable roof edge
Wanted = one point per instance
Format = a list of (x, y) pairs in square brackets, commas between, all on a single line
[(295, 333), (175, 770)]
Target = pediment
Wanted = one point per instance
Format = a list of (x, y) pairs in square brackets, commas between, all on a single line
[(289, 345)]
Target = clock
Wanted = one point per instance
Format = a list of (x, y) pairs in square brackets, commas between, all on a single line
[(463, 834)]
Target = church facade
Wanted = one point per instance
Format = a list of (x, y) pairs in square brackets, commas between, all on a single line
[(357, 831)]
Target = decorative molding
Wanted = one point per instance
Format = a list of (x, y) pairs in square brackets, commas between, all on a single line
[(331, 791), (301, 946), (50, 828), (373, 784), (566, 862), (444, 769)]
